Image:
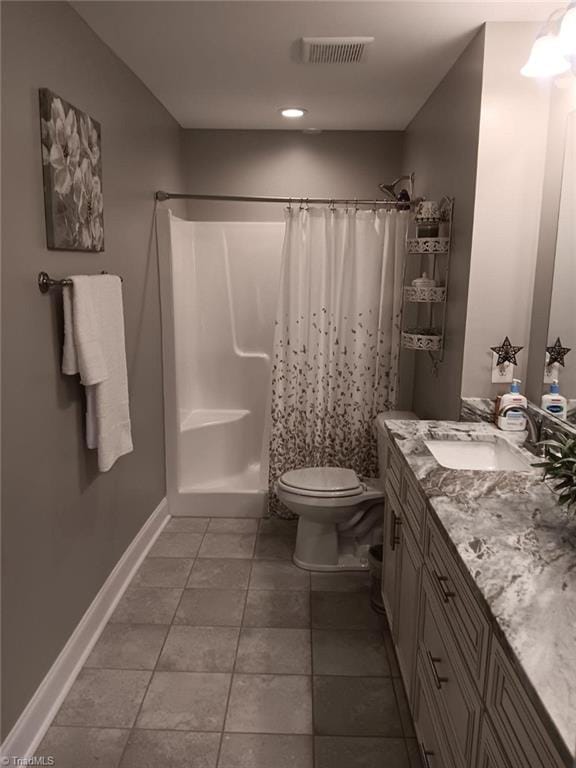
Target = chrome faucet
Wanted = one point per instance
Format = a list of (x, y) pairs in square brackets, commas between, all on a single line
[(534, 423)]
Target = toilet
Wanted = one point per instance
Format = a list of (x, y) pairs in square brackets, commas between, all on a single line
[(339, 514), (335, 509)]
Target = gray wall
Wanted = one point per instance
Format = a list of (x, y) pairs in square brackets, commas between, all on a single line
[(441, 147), (65, 525), (284, 163)]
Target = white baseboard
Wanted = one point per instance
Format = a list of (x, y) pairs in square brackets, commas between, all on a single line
[(35, 720), (219, 504)]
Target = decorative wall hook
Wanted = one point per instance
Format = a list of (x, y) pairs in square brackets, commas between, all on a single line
[(557, 353), (506, 352)]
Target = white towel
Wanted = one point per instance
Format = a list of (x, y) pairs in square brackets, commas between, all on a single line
[(94, 347)]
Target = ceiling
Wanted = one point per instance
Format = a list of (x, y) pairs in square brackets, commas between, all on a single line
[(233, 65)]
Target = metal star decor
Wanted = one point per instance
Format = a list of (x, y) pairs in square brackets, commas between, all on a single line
[(506, 352), (557, 353)]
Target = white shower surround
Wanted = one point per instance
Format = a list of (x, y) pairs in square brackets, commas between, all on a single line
[(219, 286)]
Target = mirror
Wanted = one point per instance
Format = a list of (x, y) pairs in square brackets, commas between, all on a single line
[(562, 323), (553, 344)]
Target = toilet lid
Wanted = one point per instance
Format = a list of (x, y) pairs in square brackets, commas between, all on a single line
[(322, 481)]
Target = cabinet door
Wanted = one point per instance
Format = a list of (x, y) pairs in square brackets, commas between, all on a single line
[(522, 732), (407, 605), (462, 612), (433, 752), (491, 754), (391, 543), (458, 704)]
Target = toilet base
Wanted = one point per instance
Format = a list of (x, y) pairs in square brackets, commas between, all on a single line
[(346, 563), (318, 548)]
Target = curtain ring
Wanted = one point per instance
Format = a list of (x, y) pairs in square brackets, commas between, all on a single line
[(332, 206), (307, 206), (346, 211), (289, 205), (356, 205), (301, 203)]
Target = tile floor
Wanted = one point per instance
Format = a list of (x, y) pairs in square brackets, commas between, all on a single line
[(222, 654)]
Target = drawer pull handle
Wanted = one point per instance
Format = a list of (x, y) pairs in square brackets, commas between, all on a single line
[(426, 755), (438, 681), (447, 594)]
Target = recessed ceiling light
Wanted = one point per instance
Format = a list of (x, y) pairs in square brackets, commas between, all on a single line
[(293, 112)]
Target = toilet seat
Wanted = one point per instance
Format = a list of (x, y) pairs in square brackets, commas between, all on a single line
[(322, 482)]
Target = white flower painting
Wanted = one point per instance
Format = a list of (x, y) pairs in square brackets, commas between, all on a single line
[(72, 164)]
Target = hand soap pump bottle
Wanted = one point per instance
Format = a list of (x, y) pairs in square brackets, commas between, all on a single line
[(555, 403), (513, 420)]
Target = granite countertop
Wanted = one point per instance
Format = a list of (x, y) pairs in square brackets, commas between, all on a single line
[(519, 550)]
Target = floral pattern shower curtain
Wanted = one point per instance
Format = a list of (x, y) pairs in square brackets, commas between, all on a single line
[(337, 334)]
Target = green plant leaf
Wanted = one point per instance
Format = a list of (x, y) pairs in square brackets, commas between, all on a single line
[(560, 467)]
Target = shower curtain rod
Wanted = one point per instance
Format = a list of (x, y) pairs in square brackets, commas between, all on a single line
[(162, 196)]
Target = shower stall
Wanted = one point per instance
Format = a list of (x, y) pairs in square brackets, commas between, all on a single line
[(219, 287)]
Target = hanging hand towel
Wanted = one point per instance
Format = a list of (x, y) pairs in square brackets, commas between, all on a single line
[(94, 347)]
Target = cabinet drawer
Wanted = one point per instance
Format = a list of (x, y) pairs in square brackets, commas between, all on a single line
[(386, 464), (522, 733), (469, 626), (490, 753), (458, 704), (415, 509), (392, 470), (431, 741)]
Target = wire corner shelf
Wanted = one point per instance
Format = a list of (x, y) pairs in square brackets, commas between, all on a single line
[(424, 308)]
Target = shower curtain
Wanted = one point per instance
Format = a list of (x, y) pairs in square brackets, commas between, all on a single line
[(336, 343)]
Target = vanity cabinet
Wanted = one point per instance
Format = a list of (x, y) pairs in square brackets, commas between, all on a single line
[(469, 705), (402, 561)]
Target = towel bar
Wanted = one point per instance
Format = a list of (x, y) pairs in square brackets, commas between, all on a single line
[(45, 282)]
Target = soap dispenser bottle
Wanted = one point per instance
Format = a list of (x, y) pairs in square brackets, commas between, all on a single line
[(514, 419), (555, 403)]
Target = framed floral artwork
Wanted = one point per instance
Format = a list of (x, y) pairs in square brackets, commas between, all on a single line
[(72, 171)]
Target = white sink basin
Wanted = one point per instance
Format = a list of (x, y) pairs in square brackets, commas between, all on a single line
[(488, 456)]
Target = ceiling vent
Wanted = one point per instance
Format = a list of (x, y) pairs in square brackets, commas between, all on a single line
[(334, 50)]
